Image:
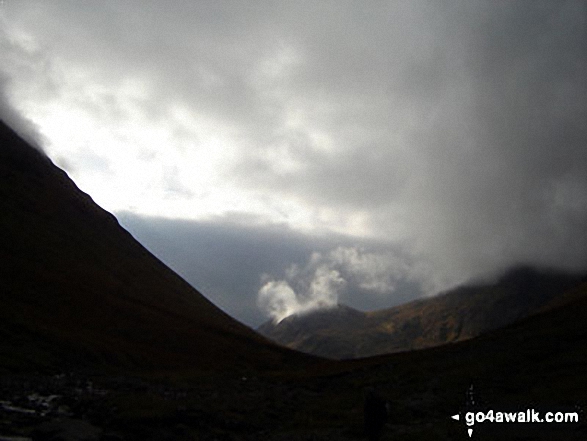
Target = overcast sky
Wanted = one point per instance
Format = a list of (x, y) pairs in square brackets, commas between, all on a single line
[(367, 152)]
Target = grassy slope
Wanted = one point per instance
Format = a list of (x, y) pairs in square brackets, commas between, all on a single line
[(457, 315)]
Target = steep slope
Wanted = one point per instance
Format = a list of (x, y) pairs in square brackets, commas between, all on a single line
[(457, 315), (77, 290)]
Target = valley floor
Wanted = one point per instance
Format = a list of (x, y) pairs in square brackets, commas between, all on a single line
[(539, 363), (317, 406)]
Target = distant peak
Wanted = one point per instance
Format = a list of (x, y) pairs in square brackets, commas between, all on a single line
[(330, 311)]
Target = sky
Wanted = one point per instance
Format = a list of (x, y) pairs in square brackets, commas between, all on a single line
[(286, 156)]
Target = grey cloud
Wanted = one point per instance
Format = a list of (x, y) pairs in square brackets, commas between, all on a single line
[(22, 125), (16, 60), (198, 54), (343, 178)]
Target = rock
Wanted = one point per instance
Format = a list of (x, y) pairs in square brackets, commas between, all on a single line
[(67, 429), (375, 414)]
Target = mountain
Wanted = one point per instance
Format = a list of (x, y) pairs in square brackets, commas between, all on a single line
[(76, 289), (459, 314), (318, 331)]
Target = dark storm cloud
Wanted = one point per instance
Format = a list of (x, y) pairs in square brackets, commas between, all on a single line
[(230, 262), (510, 165), (476, 132)]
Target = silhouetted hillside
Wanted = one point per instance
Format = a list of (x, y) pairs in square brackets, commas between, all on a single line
[(77, 290)]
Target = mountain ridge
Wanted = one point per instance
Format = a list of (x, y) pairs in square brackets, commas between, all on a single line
[(458, 314)]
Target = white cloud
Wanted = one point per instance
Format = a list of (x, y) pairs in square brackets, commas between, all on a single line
[(349, 270), (320, 289), (278, 299)]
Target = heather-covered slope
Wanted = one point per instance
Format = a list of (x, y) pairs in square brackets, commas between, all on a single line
[(457, 315), (77, 290)]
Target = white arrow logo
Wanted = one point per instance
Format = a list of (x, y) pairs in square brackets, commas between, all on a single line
[(457, 417)]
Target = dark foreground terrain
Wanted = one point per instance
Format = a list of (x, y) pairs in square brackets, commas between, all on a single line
[(539, 364), (100, 341)]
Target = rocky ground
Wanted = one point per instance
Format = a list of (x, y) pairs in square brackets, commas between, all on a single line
[(78, 407), (59, 407), (73, 407)]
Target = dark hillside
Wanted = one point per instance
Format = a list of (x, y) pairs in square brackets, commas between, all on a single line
[(77, 289)]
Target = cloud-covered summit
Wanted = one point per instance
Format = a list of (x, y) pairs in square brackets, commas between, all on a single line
[(452, 131), (341, 274)]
